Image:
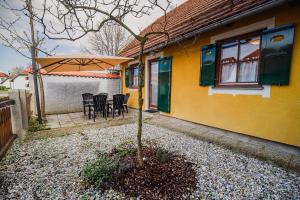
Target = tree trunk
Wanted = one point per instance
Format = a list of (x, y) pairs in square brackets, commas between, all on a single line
[(140, 98), (42, 92), (33, 55)]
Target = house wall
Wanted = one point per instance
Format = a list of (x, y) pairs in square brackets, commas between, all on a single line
[(63, 93), (272, 115), (19, 82)]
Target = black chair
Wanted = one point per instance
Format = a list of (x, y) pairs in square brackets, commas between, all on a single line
[(103, 93), (118, 101), (126, 97), (99, 105), (87, 98)]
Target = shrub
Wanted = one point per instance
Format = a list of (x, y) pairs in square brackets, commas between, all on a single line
[(99, 171), (34, 126), (3, 88), (162, 155)]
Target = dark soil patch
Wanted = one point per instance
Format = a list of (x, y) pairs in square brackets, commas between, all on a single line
[(157, 180)]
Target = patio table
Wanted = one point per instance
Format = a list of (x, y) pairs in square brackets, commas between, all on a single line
[(91, 103)]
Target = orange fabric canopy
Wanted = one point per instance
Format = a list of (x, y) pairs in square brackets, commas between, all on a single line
[(79, 62)]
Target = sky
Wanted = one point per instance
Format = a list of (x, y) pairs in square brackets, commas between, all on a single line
[(10, 58)]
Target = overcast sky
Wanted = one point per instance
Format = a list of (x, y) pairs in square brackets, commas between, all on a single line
[(10, 58)]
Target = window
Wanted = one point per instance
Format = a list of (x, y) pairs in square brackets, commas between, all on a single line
[(251, 60), (132, 76), (238, 61), (135, 77)]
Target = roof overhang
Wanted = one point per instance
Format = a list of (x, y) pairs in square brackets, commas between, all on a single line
[(249, 12)]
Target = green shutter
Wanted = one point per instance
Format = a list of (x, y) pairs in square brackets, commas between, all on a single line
[(127, 70), (276, 52), (208, 65), (164, 84)]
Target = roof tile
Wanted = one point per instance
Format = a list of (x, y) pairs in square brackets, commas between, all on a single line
[(190, 16), (3, 75)]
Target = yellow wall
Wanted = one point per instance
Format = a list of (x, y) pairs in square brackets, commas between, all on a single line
[(276, 118)]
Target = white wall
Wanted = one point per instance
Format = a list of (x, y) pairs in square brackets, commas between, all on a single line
[(19, 82), (63, 93)]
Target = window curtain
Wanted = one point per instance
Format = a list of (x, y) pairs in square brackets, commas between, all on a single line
[(229, 73), (247, 72)]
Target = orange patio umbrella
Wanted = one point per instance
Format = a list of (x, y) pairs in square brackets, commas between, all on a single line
[(79, 62)]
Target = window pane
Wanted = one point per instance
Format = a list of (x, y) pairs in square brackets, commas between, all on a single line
[(229, 73), (249, 49), (229, 52), (154, 83), (135, 77), (249, 55), (248, 71)]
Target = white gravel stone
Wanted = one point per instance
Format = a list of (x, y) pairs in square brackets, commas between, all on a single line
[(50, 168)]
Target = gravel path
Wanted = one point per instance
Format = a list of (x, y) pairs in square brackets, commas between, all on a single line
[(50, 168)]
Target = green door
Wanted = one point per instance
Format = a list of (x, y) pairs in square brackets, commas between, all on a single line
[(164, 84)]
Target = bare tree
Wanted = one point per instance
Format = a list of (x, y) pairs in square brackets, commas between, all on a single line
[(25, 40), (16, 70), (73, 19), (110, 39)]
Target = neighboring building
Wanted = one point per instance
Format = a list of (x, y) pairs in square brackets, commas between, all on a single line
[(21, 80), (4, 80), (233, 65), (63, 90)]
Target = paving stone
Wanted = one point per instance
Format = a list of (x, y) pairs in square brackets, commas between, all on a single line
[(67, 125), (53, 125)]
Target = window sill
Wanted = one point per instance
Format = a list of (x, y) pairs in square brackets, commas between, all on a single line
[(263, 91), (239, 87)]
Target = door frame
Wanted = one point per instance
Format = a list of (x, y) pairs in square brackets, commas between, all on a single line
[(151, 107)]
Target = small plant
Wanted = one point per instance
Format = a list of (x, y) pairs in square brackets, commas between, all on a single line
[(122, 153), (99, 171), (162, 155), (126, 148), (3, 88), (34, 126)]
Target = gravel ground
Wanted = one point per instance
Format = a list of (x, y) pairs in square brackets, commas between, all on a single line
[(50, 168)]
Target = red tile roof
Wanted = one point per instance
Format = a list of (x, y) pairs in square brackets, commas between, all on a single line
[(82, 74), (3, 75), (25, 71), (190, 16)]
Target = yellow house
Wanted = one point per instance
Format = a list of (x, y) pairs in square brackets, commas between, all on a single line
[(234, 65)]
